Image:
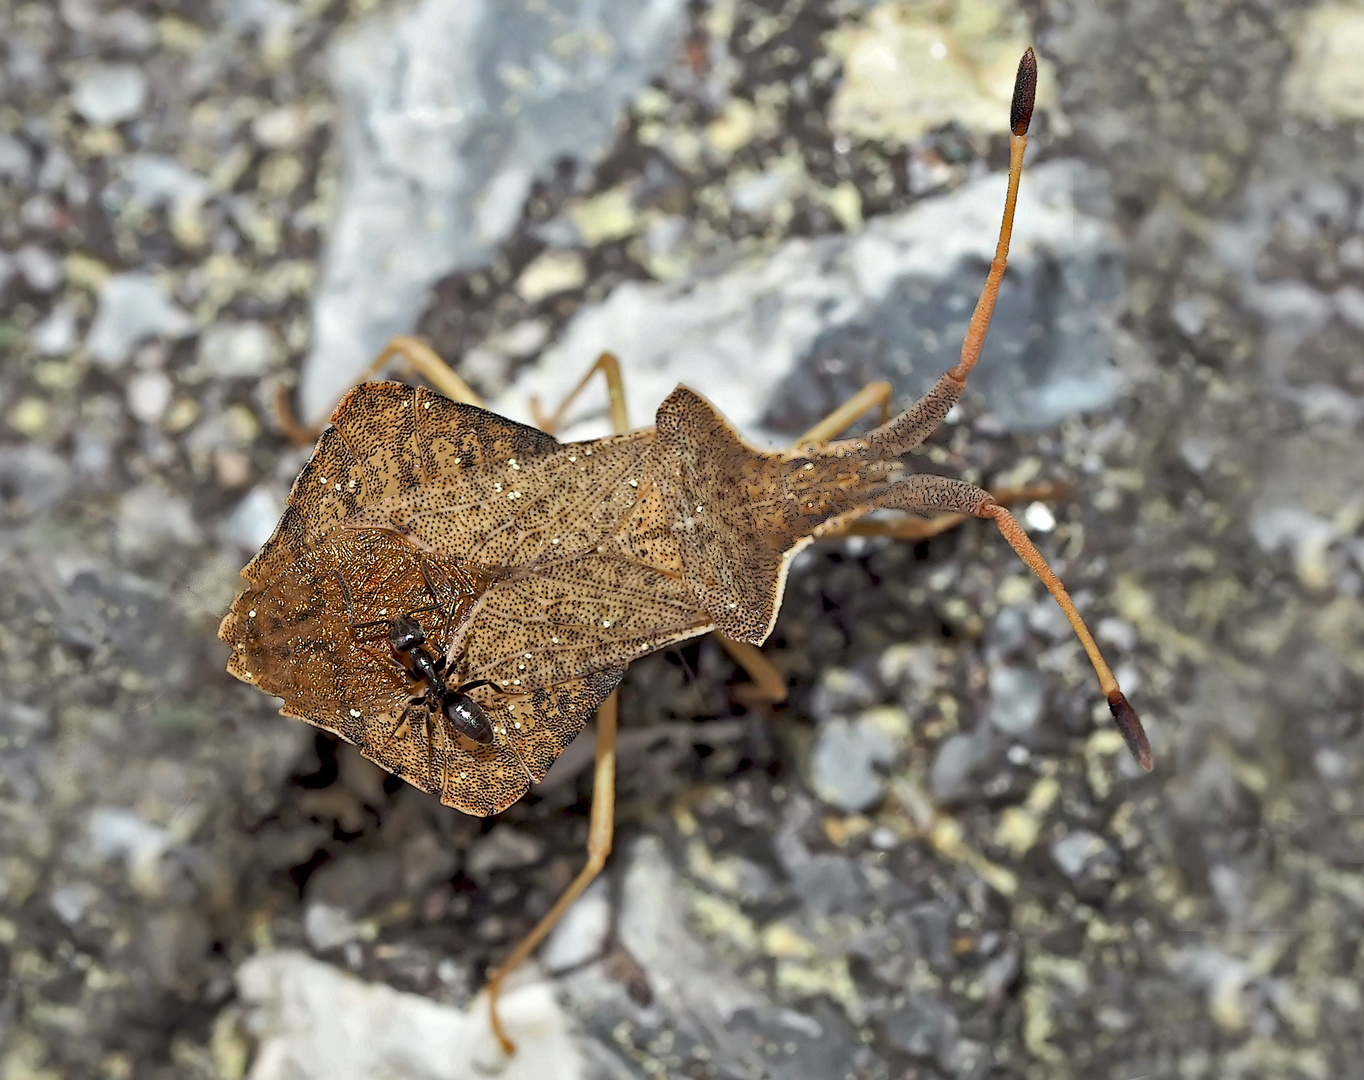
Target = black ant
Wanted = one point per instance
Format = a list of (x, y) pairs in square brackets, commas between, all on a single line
[(407, 640)]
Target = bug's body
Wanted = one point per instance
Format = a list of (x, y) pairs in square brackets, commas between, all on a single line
[(573, 560)]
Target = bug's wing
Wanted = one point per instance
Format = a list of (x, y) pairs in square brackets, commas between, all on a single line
[(290, 637), (483, 780), (289, 630), (386, 438), (563, 621)]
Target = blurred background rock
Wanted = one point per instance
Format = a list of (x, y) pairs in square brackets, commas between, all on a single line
[(936, 860)]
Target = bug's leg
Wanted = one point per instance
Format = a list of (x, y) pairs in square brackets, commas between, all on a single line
[(768, 685), (873, 395), (924, 494), (609, 366), (426, 362), (418, 355), (600, 832)]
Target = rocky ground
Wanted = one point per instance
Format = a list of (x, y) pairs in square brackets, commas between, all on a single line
[(935, 860)]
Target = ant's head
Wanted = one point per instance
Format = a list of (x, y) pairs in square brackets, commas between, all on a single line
[(405, 634)]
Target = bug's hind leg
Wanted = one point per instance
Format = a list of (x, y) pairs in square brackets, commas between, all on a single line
[(600, 832), (417, 354), (609, 366), (768, 685)]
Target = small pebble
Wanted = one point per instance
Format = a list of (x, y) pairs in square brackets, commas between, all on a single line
[(236, 350), (1016, 698), (327, 927), (132, 308), (149, 393), (503, 848), (39, 267), (253, 519), (106, 94), (844, 760), (56, 334), (1074, 851)]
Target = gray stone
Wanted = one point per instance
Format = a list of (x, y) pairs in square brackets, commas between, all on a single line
[(15, 160), (253, 519), (151, 519), (1075, 851), (923, 1028), (957, 758), (892, 302), (450, 110), (236, 350), (844, 760), (503, 848), (32, 478), (840, 691), (1017, 695), (355, 883), (107, 94), (39, 267), (132, 308), (73, 900)]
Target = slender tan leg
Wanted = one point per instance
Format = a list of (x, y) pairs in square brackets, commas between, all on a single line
[(768, 686), (601, 827), (424, 360), (609, 366), (600, 832), (420, 357), (873, 395)]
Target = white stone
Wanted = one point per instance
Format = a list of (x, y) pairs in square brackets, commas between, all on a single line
[(447, 117), (107, 94), (132, 308), (56, 335), (315, 1022), (237, 350), (1326, 78), (149, 393), (737, 336)]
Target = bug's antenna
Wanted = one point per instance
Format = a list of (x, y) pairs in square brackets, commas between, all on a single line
[(1020, 116)]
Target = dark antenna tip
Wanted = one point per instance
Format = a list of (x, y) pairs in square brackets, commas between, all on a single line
[(1130, 725), (1025, 94)]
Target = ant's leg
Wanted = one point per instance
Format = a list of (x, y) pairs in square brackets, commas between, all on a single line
[(350, 610), (609, 366), (923, 494), (420, 357), (600, 831)]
